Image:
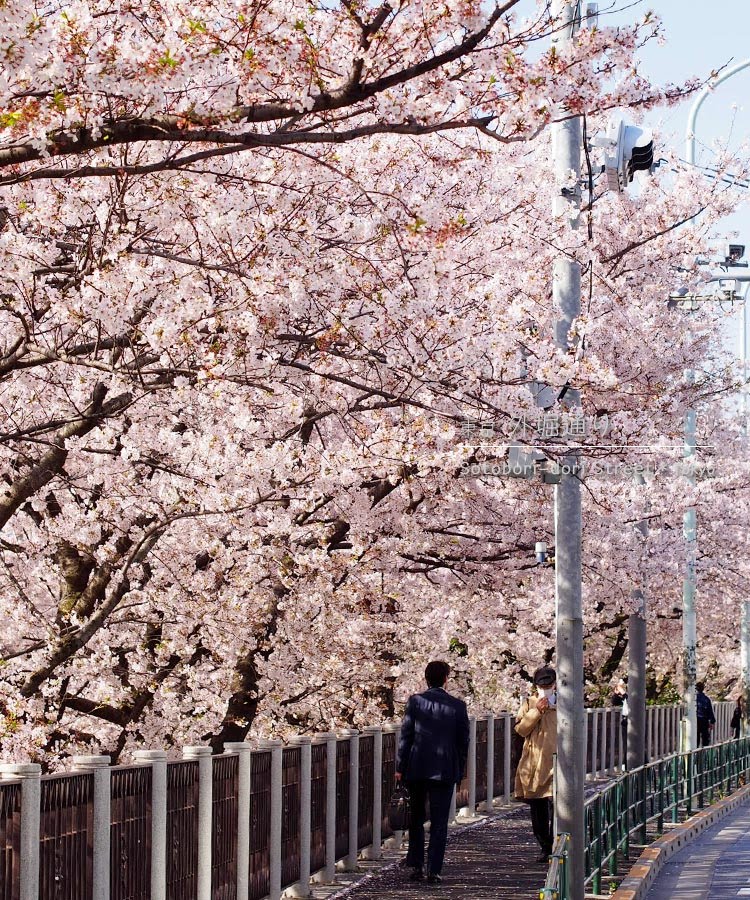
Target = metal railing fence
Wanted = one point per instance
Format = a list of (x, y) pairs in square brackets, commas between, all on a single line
[(657, 792), (258, 818)]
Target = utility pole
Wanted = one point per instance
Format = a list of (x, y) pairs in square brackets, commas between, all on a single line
[(636, 738), (745, 661), (636, 749), (566, 295), (689, 530)]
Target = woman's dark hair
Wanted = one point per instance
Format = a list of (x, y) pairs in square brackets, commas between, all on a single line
[(436, 673)]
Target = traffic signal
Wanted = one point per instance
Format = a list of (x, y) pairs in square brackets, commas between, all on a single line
[(627, 149)]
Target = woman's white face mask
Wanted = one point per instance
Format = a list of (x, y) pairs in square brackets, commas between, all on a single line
[(550, 693)]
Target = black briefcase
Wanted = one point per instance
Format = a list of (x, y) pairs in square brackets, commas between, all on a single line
[(399, 808)]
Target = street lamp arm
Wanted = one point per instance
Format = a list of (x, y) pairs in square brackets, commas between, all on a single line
[(690, 130)]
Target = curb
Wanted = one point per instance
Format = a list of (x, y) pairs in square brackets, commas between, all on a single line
[(640, 877)]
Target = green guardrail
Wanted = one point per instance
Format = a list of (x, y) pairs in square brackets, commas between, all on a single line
[(556, 886), (620, 813)]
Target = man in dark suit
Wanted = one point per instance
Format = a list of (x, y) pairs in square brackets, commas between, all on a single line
[(432, 752)]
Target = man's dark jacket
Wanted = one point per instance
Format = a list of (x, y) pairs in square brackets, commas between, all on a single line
[(434, 739), (704, 708)]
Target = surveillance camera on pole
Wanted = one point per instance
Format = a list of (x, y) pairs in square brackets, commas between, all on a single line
[(725, 255), (627, 149)]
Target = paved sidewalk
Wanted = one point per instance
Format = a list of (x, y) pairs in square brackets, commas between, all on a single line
[(492, 860), (715, 866)]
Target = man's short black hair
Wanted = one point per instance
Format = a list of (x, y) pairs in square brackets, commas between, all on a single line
[(700, 685), (436, 673)]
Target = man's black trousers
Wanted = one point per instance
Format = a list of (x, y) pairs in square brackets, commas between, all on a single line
[(541, 822), (704, 732), (440, 795)]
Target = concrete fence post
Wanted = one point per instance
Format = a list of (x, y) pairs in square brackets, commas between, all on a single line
[(656, 747), (329, 738), (244, 789), (157, 759), (302, 888), (99, 766), (591, 714), (375, 850), (398, 836), (654, 733), (490, 762), (509, 721), (205, 803), (659, 731), (586, 747), (277, 811), (350, 862), (470, 810), (29, 774)]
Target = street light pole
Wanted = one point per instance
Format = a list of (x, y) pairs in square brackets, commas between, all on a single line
[(708, 89), (566, 294), (689, 655)]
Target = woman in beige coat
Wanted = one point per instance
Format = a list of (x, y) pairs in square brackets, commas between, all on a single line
[(536, 722)]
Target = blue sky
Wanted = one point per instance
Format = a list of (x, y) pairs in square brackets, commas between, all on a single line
[(700, 37)]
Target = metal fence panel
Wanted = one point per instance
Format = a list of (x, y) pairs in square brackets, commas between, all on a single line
[(10, 834), (516, 749), (390, 740), (590, 748), (130, 836), (366, 782), (342, 798), (621, 745), (462, 793), (499, 766), (66, 837), (224, 803), (290, 799), (318, 807), (182, 829), (481, 793), (260, 824)]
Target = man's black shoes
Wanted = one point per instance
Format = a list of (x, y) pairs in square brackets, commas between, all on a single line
[(418, 875), (544, 855)]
